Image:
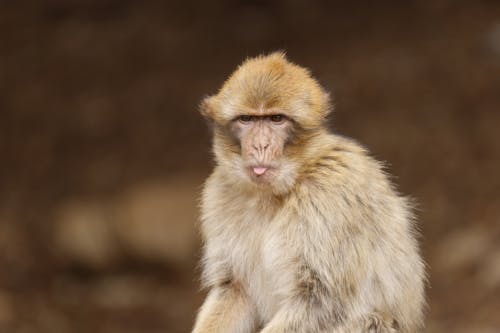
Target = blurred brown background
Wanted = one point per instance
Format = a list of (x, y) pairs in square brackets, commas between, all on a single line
[(103, 153)]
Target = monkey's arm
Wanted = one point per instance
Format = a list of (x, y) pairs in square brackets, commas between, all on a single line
[(226, 309), (315, 309), (332, 286), (374, 322)]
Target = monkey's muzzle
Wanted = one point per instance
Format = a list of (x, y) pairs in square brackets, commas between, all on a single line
[(259, 171)]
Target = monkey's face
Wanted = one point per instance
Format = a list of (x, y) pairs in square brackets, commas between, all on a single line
[(262, 140), (263, 117)]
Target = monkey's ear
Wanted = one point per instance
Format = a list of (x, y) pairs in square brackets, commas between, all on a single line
[(207, 107)]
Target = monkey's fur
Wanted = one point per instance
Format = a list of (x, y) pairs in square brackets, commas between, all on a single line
[(324, 243)]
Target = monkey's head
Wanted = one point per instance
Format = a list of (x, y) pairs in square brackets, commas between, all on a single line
[(263, 118)]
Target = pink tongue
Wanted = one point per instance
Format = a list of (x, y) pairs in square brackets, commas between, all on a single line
[(259, 170)]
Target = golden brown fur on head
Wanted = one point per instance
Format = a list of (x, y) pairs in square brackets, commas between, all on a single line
[(261, 90), (267, 83)]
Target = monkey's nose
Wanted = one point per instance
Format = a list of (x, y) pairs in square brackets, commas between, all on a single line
[(259, 171), (261, 146)]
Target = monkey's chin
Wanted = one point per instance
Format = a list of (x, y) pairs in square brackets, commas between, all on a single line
[(277, 180), (263, 178)]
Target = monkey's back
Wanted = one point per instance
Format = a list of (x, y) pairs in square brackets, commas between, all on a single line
[(342, 234)]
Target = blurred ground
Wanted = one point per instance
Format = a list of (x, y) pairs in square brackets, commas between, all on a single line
[(103, 153)]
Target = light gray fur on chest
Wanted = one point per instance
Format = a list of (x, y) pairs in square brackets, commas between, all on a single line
[(255, 254)]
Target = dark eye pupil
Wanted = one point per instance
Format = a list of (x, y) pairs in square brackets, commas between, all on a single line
[(277, 117), (245, 118)]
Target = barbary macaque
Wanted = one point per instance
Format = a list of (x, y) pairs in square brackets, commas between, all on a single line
[(302, 230)]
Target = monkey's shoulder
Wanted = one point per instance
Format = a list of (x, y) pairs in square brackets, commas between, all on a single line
[(343, 161), (345, 177)]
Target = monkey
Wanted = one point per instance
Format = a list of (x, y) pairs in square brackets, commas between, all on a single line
[(302, 229)]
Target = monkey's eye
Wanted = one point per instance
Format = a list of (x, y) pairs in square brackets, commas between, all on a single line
[(277, 118), (245, 118)]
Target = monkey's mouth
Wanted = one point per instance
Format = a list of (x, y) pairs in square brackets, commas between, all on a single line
[(260, 172)]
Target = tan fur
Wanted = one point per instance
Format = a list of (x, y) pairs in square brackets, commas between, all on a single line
[(326, 246)]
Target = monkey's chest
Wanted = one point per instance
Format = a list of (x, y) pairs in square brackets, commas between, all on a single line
[(259, 261)]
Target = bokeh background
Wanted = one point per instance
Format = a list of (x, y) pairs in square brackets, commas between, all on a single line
[(103, 153)]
